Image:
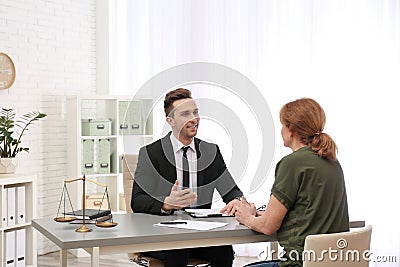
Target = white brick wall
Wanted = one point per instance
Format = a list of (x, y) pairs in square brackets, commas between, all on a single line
[(53, 45)]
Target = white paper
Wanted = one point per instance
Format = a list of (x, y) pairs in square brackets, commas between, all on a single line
[(199, 213), (194, 225)]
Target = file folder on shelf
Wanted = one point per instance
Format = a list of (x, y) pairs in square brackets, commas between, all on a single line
[(20, 247), (11, 206), (88, 156), (135, 117), (10, 249), (103, 156), (124, 117), (96, 127), (4, 213), (20, 216)]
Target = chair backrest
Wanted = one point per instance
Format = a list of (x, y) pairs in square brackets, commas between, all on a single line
[(343, 249), (129, 164)]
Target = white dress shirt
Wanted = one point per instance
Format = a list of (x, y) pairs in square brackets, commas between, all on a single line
[(192, 159)]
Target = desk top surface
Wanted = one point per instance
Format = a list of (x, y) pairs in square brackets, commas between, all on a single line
[(137, 228)]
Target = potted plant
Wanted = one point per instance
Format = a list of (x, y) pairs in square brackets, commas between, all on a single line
[(10, 139)]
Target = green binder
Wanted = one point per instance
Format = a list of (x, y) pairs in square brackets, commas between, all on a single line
[(123, 117), (88, 156), (135, 117), (103, 156)]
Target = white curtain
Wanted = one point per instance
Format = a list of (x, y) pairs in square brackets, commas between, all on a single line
[(343, 53)]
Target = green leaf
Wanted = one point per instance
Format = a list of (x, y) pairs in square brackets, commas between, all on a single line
[(9, 139)]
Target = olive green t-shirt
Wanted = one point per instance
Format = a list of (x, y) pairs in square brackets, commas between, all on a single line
[(313, 191)]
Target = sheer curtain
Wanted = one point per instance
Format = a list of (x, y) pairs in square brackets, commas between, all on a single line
[(345, 54)]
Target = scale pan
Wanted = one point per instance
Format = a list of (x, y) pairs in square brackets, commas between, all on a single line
[(106, 224), (65, 219)]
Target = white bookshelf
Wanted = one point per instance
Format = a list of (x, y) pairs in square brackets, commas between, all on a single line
[(100, 107), (29, 182)]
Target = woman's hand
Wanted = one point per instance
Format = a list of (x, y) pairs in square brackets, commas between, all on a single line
[(245, 211), (231, 207)]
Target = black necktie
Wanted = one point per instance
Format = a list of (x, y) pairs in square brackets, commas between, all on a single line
[(185, 168)]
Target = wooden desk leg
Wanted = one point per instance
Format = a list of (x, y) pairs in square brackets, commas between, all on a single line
[(63, 257), (95, 257)]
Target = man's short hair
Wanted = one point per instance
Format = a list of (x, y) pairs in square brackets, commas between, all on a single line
[(172, 96)]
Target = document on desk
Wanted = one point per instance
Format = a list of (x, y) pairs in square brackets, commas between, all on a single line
[(194, 225), (205, 213)]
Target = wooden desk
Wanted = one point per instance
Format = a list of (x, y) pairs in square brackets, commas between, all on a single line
[(136, 233)]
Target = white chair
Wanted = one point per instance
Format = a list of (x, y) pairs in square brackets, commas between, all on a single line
[(129, 162), (345, 249)]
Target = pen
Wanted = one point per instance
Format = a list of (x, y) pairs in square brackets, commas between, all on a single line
[(173, 222), (262, 208)]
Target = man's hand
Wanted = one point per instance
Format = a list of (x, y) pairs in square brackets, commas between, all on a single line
[(179, 199)]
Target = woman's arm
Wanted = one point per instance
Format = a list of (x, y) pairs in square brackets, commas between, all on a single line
[(267, 222)]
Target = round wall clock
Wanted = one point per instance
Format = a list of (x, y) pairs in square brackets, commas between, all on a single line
[(7, 71)]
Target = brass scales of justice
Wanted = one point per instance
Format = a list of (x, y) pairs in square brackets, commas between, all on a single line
[(70, 218)]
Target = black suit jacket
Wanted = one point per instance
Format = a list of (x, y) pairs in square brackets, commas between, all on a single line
[(156, 174)]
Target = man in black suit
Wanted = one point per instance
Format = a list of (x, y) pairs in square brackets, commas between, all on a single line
[(179, 171)]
